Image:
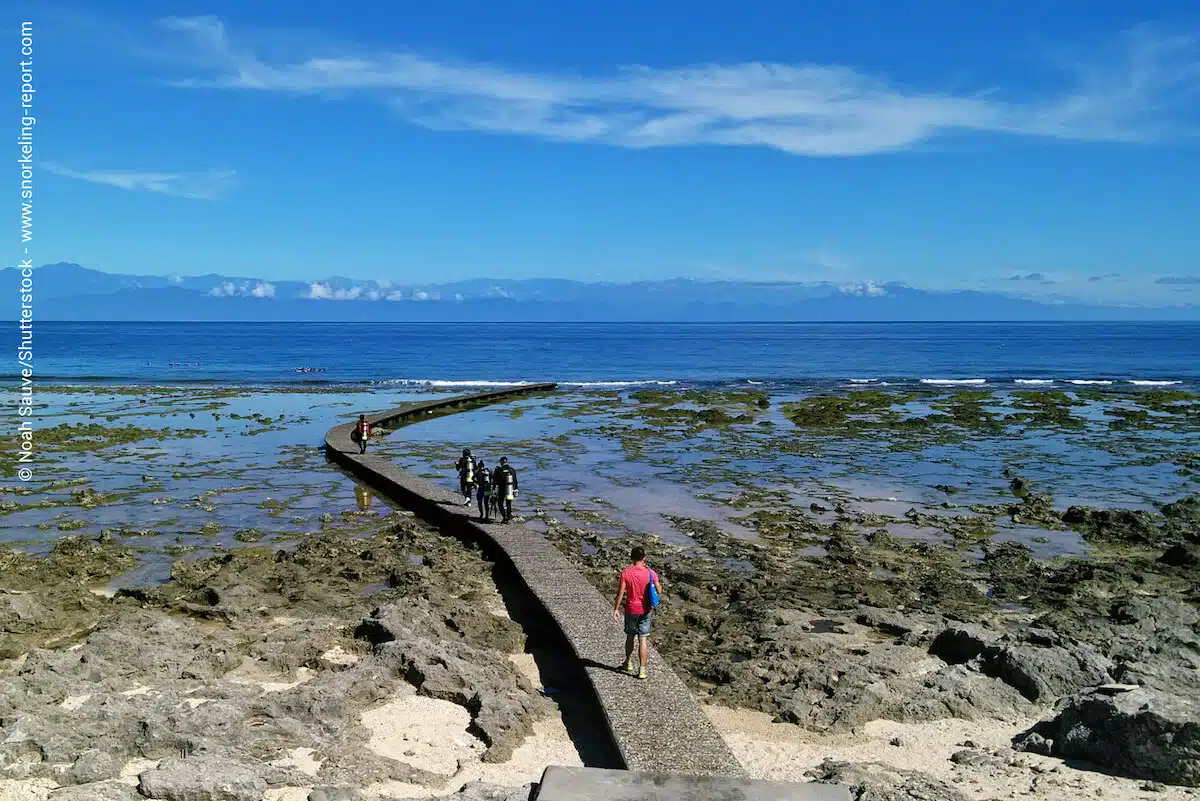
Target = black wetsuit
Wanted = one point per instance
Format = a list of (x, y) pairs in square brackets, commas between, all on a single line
[(505, 479), (466, 476), (483, 491)]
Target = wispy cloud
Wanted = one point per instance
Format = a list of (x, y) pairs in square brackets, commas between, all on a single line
[(206, 185), (1179, 280), (806, 109)]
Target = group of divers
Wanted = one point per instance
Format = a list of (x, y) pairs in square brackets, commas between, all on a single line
[(492, 490)]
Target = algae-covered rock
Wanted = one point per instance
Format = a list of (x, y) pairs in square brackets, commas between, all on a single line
[(1132, 527)]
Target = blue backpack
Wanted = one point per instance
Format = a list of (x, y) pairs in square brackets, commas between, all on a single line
[(651, 592)]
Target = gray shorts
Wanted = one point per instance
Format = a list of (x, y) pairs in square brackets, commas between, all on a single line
[(638, 624)]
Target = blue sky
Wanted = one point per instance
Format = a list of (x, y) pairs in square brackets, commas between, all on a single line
[(940, 144)]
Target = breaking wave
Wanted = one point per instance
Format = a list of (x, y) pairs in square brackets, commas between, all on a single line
[(481, 382), (619, 383), (954, 381), (433, 382), (1148, 383)]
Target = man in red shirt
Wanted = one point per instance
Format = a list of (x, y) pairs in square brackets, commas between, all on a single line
[(633, 590)]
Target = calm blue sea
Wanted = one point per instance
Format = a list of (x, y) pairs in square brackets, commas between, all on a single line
[(598, 354)]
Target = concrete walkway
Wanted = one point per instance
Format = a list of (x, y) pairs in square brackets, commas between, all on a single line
[(593, 784), (656, 724)]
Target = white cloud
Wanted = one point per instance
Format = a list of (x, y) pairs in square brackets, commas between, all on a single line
[(421, 294), (207, 185), (497, 292), (864, 288), (229, 289), (320, 290), (808, 109)]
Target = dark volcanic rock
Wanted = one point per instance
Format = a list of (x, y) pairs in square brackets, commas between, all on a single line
[(962, 642), (875, 781), (1141, 733), (1040, 665), (1181, 556), (1045, 674), (1155, 642)]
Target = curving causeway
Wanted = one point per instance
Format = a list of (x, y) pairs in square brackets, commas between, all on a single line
[(657, 725)]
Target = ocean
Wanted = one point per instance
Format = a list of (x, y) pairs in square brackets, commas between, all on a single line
[(611, 355)]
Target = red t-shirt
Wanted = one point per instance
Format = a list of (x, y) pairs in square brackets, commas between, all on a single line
[(636, 580)]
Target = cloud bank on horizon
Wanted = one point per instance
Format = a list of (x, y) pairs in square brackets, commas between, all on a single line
[(1146, 93)]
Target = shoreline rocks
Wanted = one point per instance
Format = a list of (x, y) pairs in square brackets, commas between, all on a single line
[(246, 657), (1132, 730)]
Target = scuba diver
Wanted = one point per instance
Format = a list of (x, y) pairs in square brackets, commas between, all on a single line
[(466, 475), (483, 491), (505, 479)]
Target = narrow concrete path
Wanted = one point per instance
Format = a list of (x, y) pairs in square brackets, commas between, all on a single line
[(656, 724)]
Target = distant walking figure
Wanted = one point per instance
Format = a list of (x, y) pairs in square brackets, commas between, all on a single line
[(466, 475), (634, 590), (483, 491), (361, 433), (505, 479)]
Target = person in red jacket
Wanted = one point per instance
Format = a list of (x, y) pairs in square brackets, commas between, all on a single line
[(633, 590), (361, 433)]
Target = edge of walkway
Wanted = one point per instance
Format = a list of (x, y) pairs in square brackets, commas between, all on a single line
[(656, 724)]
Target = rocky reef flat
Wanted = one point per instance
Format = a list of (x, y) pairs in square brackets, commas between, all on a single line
[(997, 603), (378, 667)]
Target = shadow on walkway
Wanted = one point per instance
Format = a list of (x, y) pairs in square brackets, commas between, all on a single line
[(563, 677)]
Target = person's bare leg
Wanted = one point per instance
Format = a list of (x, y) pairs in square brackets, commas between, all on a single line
[(629, 649), (643, 649)]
